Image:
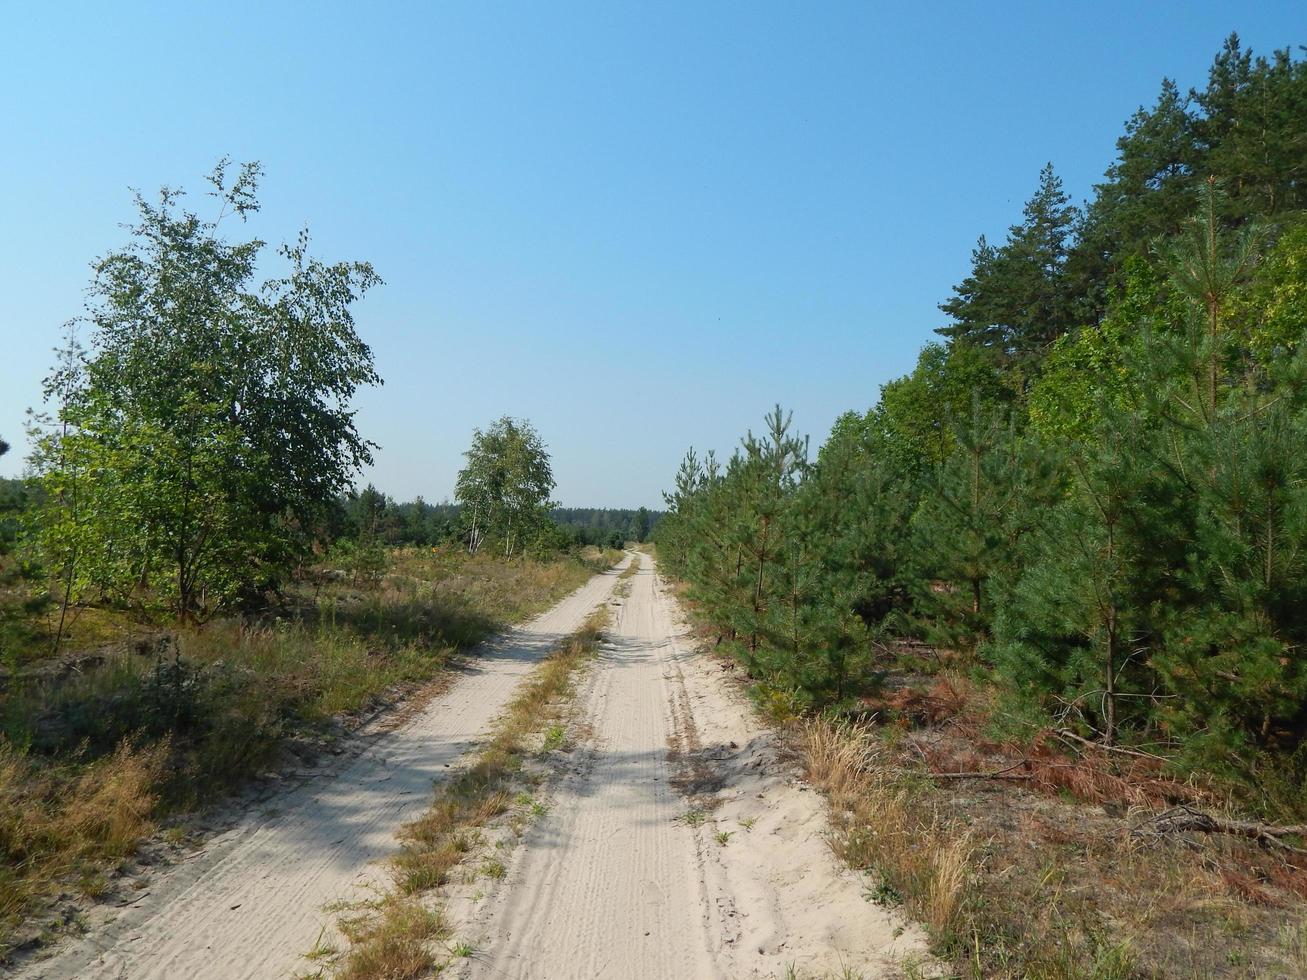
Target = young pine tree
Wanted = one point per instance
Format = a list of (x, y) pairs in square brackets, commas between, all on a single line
[(1077, 614), (975, 510)]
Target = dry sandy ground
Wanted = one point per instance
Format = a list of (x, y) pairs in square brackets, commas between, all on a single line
[(616, 882), (613, 882), (251, 901)]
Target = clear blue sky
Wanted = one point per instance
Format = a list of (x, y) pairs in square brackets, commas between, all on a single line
[(637, 225)]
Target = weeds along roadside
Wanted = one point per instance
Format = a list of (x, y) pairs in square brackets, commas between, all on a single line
[(93, 757), (1009, 884), (399, 934)]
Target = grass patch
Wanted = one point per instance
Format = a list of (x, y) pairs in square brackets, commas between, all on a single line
[(434, 844), (56, 827), (392, 939), (882, 825)]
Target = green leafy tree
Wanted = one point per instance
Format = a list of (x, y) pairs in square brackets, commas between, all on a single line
[(1092, 371), (505, 486), (912, 424), (210, 421), (1272, 313)]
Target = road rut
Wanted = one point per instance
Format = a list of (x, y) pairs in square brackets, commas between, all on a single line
[(628, 875)]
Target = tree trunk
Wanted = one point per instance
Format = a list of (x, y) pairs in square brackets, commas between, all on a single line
[(1109, 722), (757, 592), (1109, 695)]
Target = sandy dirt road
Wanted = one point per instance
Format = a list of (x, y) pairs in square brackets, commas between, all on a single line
[(251, 902), (616, 882)]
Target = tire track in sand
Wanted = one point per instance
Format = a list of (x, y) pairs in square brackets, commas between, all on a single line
[(251, 902), (613, 883), (608, 885)]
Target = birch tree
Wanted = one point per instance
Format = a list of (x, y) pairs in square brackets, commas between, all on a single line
[(212, 413), (505, 485)]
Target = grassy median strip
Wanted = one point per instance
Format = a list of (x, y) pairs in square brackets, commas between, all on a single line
[(628, 572), (394, 937)]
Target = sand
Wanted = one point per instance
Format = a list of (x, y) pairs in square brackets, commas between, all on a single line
[(616, 882)]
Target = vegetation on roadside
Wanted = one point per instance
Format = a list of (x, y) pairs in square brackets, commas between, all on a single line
[(394, 936), (1104, 512), (1088, 508), (629, 572), (192, 451), (99, 748), (1021, 885)]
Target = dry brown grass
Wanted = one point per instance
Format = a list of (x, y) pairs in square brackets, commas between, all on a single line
[(486, 584), (1023, 880), (879, 824), (388, 936), (54, 830)]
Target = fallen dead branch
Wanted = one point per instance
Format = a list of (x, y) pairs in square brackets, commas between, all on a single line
[(1007, 773), (1185, 819), (1000, 774), (1069, 736)]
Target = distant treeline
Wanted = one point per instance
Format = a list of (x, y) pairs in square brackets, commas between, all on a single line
[(602, 525), (372, 515), (13, 498)]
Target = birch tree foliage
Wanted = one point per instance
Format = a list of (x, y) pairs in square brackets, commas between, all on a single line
[(506, 485), (208, 425)]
